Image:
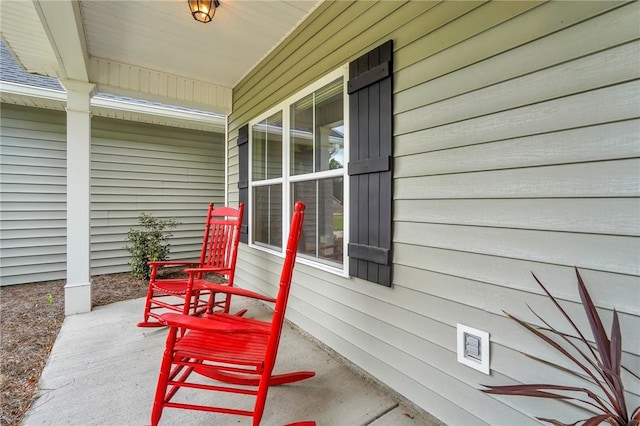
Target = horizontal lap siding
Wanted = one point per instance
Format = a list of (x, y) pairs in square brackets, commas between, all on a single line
[(33, 205), (504, 174), (516, 150), (139, 168), (135, 168)]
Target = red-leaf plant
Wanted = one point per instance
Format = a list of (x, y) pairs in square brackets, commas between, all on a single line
[(600, 365)]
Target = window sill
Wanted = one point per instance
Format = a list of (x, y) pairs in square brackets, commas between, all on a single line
[(342, 272)]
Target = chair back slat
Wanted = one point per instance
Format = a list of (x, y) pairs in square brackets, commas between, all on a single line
[(221, 237)]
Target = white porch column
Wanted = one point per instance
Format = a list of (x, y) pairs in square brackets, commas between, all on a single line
[(77, 291)]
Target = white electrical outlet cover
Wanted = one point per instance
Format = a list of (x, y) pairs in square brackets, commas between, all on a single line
[(481, 365)]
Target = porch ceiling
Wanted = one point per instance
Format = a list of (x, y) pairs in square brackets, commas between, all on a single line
[(150, 50)]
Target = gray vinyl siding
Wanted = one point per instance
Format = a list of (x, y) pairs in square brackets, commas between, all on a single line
[(33, 206), (516, 150), (139, 168), (135, 168)]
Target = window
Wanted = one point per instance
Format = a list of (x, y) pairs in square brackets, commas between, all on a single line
[(303, 148), (298, 153), (266, 173)]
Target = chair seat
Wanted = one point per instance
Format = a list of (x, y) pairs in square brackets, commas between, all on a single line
[(173, 286), (245, 347), (178, 286), (239, 349)]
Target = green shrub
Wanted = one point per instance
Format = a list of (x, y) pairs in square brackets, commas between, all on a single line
[(151, 243)]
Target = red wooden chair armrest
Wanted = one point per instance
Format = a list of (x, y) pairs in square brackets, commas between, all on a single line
[(172, 262), (222, 288), (210, 269), (209, 324)]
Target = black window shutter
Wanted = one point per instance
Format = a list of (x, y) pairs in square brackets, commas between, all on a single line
[(243, 179), (370, 91)]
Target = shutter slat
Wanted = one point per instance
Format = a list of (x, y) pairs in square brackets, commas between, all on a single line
[(370, 165), (368, 78), (369, 253)]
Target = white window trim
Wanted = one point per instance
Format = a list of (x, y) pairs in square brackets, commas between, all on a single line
[(283, 106)]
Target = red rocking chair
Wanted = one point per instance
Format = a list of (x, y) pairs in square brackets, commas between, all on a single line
[(192, 295), (238, 351)]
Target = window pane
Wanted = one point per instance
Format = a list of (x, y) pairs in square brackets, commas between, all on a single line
[(317, 130), (302, 136), (329, 127), (267, 148), (323, 232), (267, 215), (258, 145)]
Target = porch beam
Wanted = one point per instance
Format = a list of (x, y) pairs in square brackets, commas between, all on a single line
[(62, 22)]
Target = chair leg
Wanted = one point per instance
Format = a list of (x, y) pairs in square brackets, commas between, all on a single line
[(163, 378), (147, 308), (261, 398), (147, 312), (188, 299), (227, 303), (227, 307), (212, 304)]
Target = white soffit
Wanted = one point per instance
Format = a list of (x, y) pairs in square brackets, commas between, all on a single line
[(151, 50), (163, 36), (25, 35)]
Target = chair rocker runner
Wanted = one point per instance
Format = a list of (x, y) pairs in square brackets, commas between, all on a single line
[(192, 295), (231, 349)]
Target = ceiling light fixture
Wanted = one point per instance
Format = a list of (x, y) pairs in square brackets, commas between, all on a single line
[(203, 10)]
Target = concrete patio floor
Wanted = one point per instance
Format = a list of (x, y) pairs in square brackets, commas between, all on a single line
[(103, 371)]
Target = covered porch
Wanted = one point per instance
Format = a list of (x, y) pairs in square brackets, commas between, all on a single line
[(140, 63), (103, 370), (514, 127)]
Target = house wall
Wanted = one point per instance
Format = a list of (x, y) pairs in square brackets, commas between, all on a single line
[(135, 168), (33, 185), (165, 171), (516, 150)]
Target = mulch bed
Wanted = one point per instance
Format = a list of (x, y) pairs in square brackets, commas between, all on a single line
[(30, 318)]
